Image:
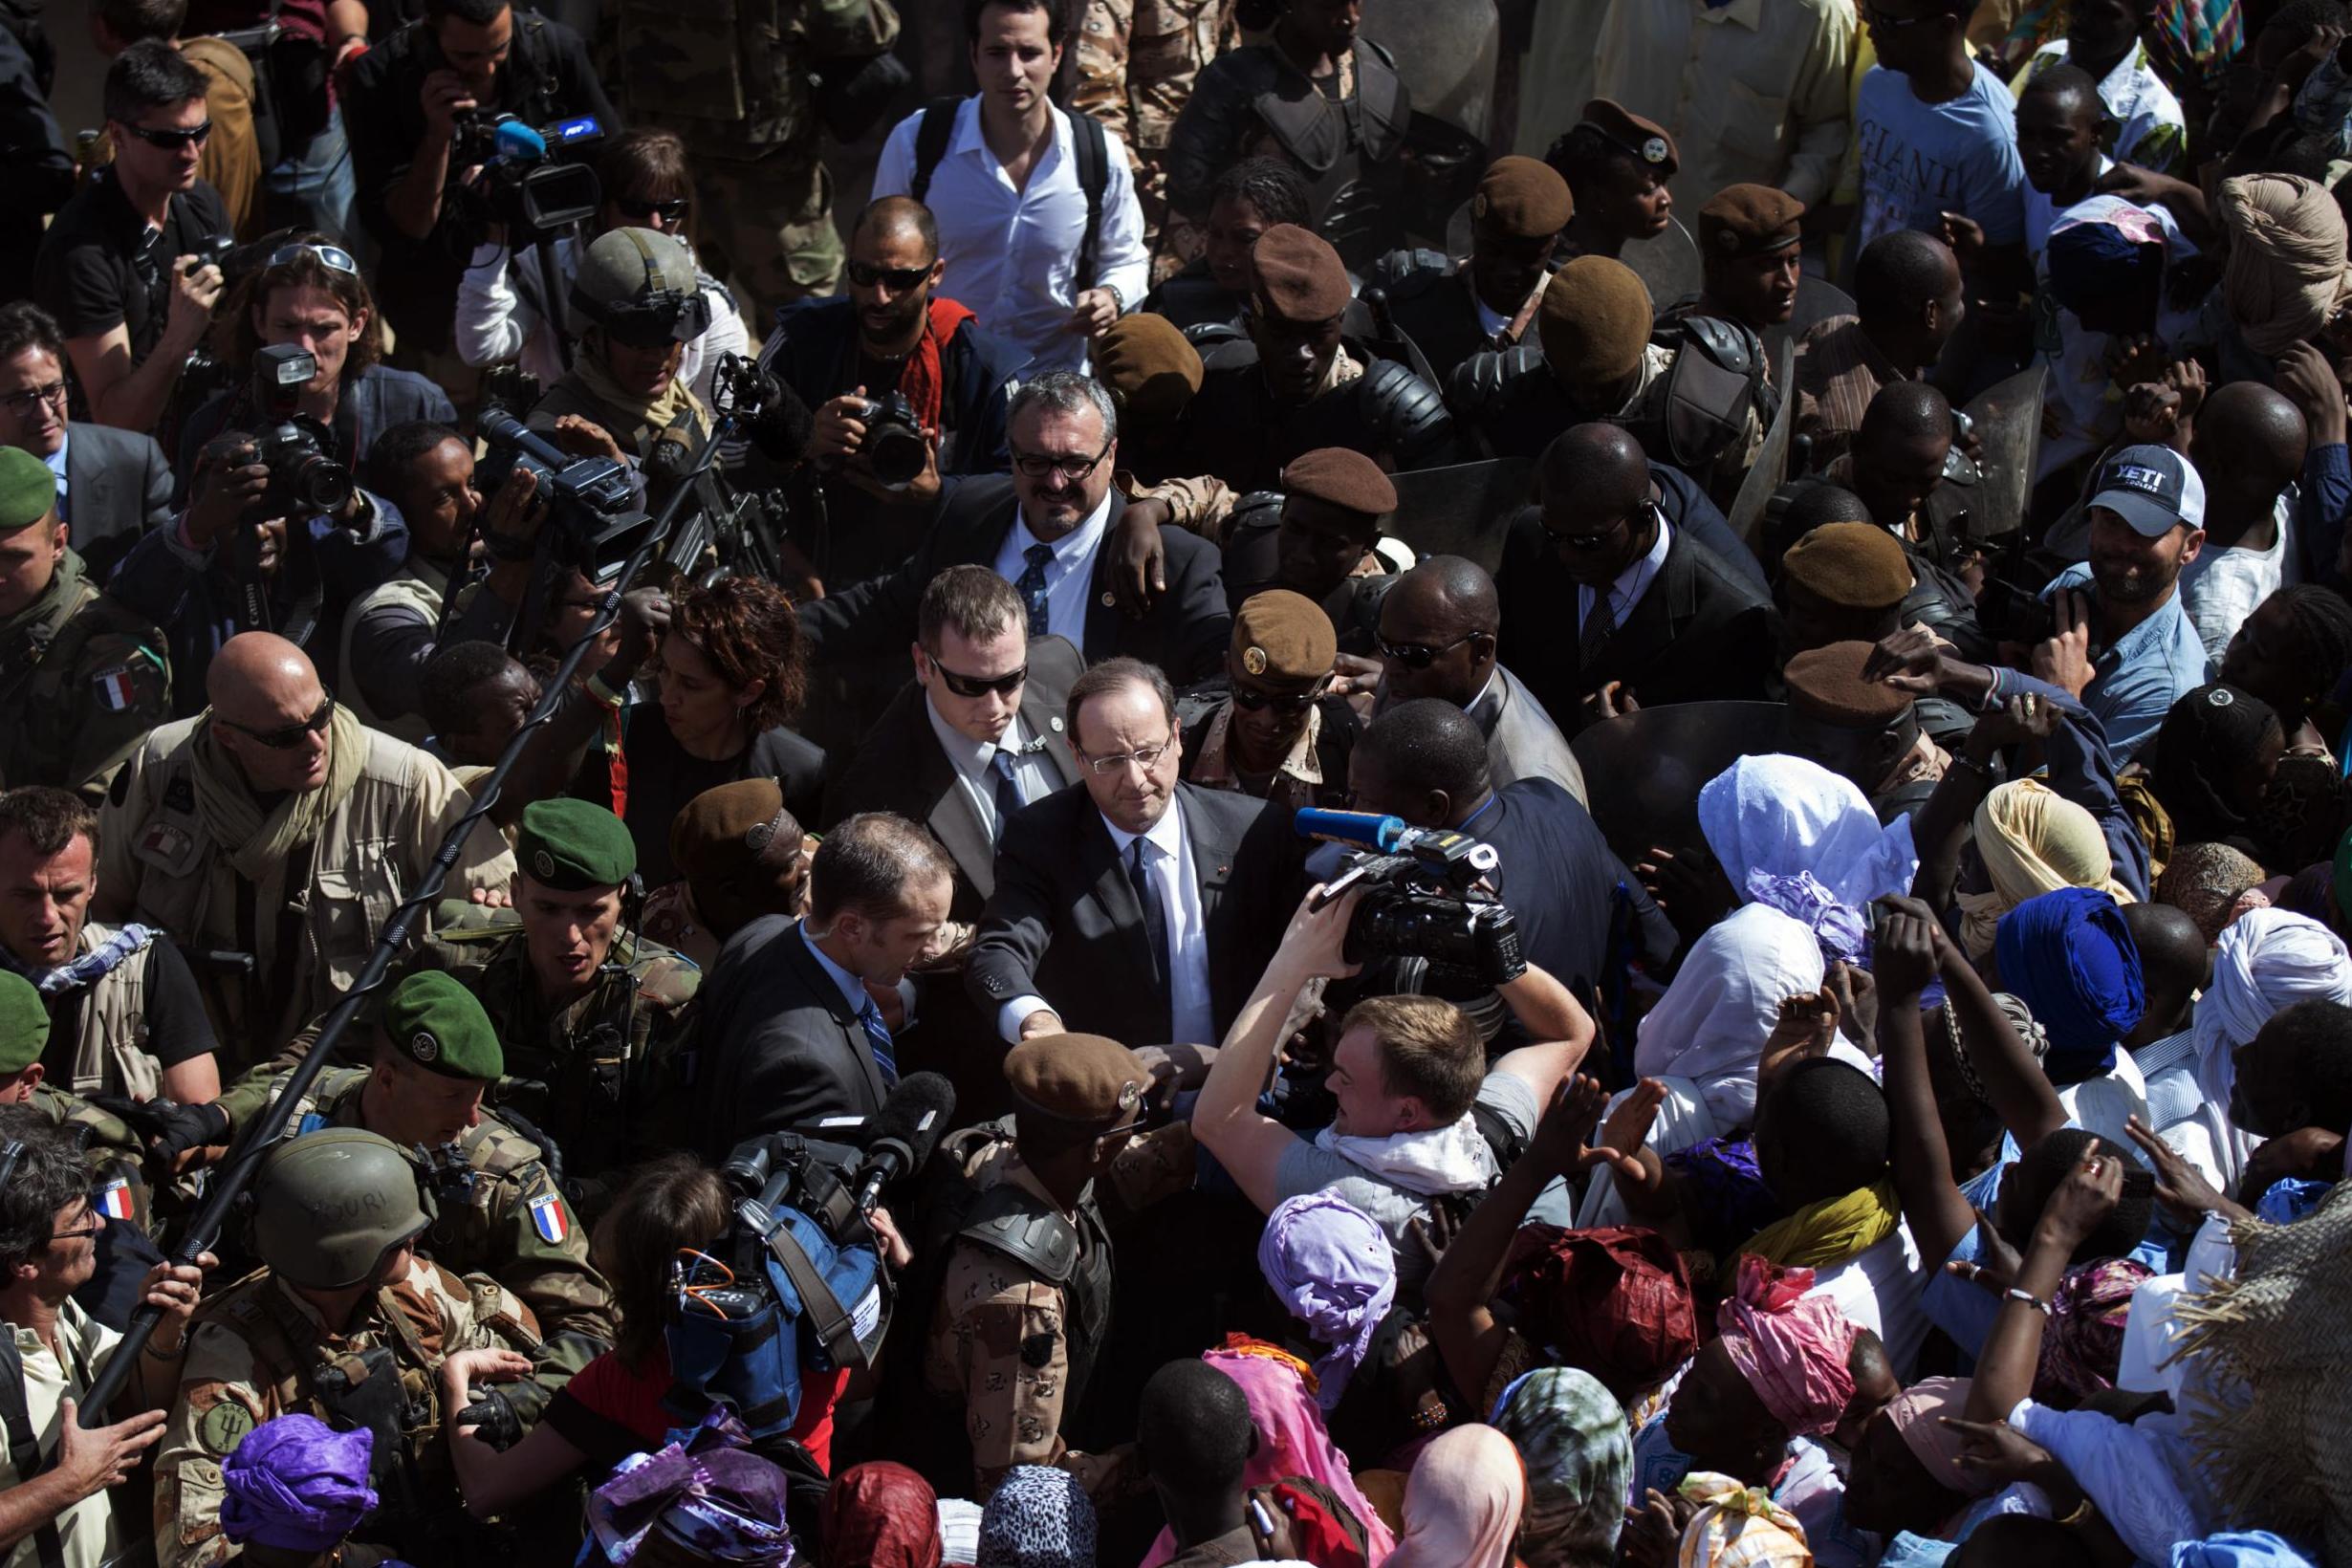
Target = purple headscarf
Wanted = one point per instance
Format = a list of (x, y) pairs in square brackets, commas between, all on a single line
[(1335, 1272), (296, 1484), (709, 1494)]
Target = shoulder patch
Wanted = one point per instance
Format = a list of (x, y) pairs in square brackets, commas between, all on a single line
[(113, 687), (222, 1428), (551, 1219)]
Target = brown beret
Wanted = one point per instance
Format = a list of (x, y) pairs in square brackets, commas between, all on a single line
[(1749, 221), (1084, 1080), (721, 839), (1148, 365), (1595, 321), (1299, 276), (1343, 477), (1281, 639), (1827, 684), (1524, 198), (1644, 139), (1853, 566)]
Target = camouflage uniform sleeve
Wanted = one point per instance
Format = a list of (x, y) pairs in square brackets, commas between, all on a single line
[(998, 1348), (216, 1406), (1203, 504), (1156, 1166), (121, 690), (1101, 89), (659, 1120), (546, 1268)]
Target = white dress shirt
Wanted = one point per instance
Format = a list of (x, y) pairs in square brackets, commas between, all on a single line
[(975, 765), (1012, 254), (57, 462), (1169, 855), (1626, 592), (1069, 576)]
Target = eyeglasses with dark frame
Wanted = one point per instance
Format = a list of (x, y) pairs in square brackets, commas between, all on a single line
[(979, 685), (866, 274), (286, 737), (1036, 465), (1419, 655), (1145, 757), (22, 403), (172, 139)]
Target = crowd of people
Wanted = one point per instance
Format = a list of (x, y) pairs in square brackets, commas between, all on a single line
[(1090, 783)]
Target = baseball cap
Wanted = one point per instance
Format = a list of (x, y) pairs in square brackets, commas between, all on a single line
[(2154, 489)]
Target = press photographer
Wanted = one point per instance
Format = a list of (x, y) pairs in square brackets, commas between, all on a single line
[(403, 104), (280, 537)]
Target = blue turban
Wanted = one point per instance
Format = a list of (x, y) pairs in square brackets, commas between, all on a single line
[(2118, 254), (2238, 1549), (2069, 956)]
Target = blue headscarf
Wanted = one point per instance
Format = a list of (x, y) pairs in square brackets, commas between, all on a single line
[(2238, 1549), (2069, 956)]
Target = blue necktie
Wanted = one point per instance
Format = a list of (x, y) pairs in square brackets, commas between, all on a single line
[(878, 1037), (1142, 876), (1031, 587), (1008, 791)]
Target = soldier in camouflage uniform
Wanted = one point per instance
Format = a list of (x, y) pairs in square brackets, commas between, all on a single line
[(82, 680), (731, 78), (344, 1322), (589, 1015), (1137, 60)]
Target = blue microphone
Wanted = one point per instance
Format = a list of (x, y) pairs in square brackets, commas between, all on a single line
[(1352, 827), (519, 143)]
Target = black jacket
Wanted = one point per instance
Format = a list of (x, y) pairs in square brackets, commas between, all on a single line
[(779, 1043), (1565, 887), (1256, 91), (1064, 925), (899, 767), (1234, 429), (1431, 302), (1185, 634)]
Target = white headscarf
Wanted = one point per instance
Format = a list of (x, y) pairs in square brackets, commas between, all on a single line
[(1783, 814), (2266, 960), (1712, 1021)]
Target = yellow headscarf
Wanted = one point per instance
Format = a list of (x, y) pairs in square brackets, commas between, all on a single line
[(2032, 842), (1823, 1234)]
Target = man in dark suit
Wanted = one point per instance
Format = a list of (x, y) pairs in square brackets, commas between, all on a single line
[(1137, 906), (113, 484), (794, 1022), (1052, 530), (1631, 605)]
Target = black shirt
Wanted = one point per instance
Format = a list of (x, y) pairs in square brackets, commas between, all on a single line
[(1562, 883), (101, 265), (664, 776), (178, 1030)]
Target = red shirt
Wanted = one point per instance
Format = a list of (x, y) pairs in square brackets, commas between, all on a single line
[(609, 1412)]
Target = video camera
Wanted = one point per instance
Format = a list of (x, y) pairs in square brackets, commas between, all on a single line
[(294, 446), (1423, 902), (594, 520), (526, 182)]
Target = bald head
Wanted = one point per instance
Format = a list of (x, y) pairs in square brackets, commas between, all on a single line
[(1452, 590), (2172, 961), (2248, 438), (1906, 412), (893, 217), (1597, 467), (270, 713), (254, 671)]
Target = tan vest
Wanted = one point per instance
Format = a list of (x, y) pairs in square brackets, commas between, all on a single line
[(111, 1056), (420, 586)]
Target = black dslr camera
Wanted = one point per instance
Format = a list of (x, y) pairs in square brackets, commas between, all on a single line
[(1422, 905), (525, 184), (895, 446), (294, 446)]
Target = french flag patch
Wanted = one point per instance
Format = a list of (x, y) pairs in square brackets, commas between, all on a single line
[(114, 1199), (548, 1219), (114, 687)]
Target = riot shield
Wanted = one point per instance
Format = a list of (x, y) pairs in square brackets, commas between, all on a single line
[(1444, 54), (1464, 509), (1668, 265), (1643, 773), (1772, 462), (2006, 417)]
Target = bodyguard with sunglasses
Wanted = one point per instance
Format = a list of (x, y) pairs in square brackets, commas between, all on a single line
[(119, 267)]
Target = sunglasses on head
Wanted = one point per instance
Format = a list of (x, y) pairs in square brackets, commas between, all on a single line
[(672, 210), (1419, 655), (1252, 700), (286, 737), (333, 257), (866, 274), (172, 139), (975, 685)]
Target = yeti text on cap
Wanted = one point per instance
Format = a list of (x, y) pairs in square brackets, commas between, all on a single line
[(2137, 477)]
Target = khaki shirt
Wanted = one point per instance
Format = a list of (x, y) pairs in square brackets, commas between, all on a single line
[(86, 1533), (1297, 781)]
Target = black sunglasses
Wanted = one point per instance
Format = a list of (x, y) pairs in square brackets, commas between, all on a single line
[(1250, 699), (974, 685), (866, 274), (673, 210), (1595, 541), (286, 737), (172, 140), (1419, 655)]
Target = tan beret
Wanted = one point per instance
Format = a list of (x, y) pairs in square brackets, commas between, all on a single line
[(1750, 221), (1646, 139), (1299, 276), (1084, 1079), (1524, 198), (1281, 639), (1853, 566), (1343, 477), (1828, 685), (1595, 321), (1148, 365)]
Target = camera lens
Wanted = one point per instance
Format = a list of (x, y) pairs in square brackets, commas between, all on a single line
[(322, 485), (894, 453)]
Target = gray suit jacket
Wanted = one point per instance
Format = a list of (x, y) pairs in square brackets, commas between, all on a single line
[(117, 486), (1522, 742)]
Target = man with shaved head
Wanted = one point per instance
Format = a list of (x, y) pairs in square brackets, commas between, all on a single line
[(1625, 601), (276, 826), (2247, 442), (1908, 302), (1439, 634)]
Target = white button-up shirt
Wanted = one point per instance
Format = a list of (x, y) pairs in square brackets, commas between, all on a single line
[(1012, 254), (1069, 575)]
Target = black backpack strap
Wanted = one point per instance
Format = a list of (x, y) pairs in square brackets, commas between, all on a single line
[(1091, 148), (931, 139), (25, 1454)]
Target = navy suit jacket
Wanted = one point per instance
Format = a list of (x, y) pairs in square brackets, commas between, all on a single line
[(779, 1044)]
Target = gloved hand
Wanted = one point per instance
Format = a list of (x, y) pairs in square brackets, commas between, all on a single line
[(494, 1418), (186, 1128)]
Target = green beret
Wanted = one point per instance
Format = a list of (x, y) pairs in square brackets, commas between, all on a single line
[(1085, 1080), (27, 490), (437, 1023), (570, 846), (24, 1018)]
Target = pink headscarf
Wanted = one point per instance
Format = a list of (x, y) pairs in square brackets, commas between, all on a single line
[(1462, 1504), (1917, 1413), (1292, 1440), (1789, 1346)]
